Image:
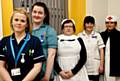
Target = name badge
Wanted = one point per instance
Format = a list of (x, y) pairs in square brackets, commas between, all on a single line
[(15, 72)]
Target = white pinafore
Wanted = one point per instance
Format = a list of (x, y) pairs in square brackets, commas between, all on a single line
[(68, 56)]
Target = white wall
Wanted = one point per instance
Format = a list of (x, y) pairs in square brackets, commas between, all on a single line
[(1, 33), (100, 9), (114, 9)]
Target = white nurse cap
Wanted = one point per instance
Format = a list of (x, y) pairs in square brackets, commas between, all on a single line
[(111, 18)]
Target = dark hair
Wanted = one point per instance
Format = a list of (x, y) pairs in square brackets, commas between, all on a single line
[(22, 11), (89, 19), (68, 21), (41, 4)]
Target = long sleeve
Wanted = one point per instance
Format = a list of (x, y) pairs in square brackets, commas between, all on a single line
[(56, 65), (83, 57)]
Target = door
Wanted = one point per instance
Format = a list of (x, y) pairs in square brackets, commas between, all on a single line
[(57, 8)]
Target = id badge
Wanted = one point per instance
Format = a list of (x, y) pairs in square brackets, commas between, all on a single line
[(15, 72)]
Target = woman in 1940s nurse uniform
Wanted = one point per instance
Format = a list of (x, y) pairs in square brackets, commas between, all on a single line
[(111, 38), (71, 54)]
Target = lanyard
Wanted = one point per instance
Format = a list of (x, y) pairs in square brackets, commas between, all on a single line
[(21, 49)]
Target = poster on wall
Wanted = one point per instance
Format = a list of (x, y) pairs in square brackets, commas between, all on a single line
[(1, 31)]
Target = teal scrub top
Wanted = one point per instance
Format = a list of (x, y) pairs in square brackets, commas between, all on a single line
[(48, 38)]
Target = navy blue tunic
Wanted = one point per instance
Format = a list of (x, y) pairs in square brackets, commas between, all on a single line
[(33, 54)]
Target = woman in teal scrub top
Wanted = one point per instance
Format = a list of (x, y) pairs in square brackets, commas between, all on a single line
[(47, 35)]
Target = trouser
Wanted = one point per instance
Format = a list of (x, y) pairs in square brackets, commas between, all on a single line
[(93, 77), (51, 79)]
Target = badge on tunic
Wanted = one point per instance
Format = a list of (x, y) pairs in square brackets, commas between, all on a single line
[(15, 72), (23, 58)]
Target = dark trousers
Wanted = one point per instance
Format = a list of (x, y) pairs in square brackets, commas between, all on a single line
[(94, 77), (51, 79)]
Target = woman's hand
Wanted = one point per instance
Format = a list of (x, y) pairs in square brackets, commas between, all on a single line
[(101, 68), (63, 75), (69, 74)]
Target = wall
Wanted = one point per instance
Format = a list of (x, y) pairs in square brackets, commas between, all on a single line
[(76, 11), (7, 8), (100, 9), (114, 9), (1, 30)]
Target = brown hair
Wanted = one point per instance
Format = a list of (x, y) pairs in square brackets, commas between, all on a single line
[(43, 5)]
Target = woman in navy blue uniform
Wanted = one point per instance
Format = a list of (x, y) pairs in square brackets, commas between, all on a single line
[(21, 54)]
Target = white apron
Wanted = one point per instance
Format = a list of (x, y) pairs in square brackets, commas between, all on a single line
[(68, 56)]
